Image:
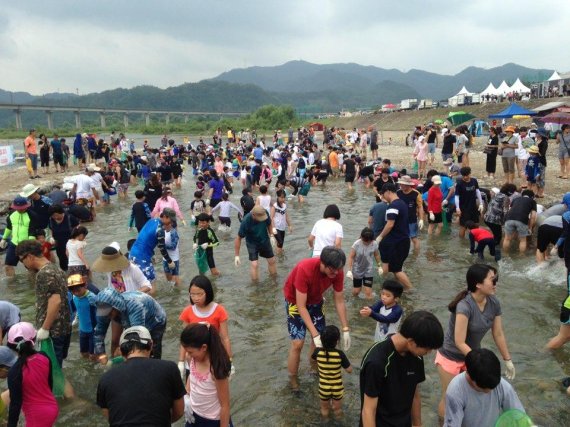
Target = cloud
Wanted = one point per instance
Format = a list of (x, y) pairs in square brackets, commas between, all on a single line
[(93, 46)]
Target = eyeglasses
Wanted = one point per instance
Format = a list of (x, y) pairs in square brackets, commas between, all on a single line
[(197, 295)]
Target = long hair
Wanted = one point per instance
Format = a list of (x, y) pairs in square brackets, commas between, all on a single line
[(195, 335), (475, 275)]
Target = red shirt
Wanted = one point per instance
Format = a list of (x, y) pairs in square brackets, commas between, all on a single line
[(307, 278), (46, 250), (481, 234), (435, 198)]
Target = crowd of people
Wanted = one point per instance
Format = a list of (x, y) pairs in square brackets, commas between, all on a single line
[(46, 233)]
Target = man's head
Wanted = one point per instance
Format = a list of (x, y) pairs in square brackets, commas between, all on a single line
[(259, 214), (57, 213), (423, 332), (29, 252), (332, 261), (465, 172), (136, 339), (483, 370), (388, 192)]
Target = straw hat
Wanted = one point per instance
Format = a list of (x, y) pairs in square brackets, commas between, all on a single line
[(405, 180), (111, 259), (533, 150), (28, 190), (76, 280), (510, 129), (259, 213)]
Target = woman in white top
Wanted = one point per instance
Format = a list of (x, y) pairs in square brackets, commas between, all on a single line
[(326, 231), (74, 249)]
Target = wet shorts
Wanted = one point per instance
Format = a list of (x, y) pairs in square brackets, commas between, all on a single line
[(394, 254), (174, 271), (431, 148), (514, 226), (414, 230), (548, 234), (450, 366), (438, 219), (255, 251), (466, 215), (11, 258), (146, 267), (296, 326), (305, 189), (366, 281)]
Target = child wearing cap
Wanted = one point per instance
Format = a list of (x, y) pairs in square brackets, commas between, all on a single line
[(86, 305), (387, 312)]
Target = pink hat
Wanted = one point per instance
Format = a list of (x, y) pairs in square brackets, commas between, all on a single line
[(21, 332)]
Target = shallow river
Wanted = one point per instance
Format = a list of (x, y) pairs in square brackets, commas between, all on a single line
[(260, 395)]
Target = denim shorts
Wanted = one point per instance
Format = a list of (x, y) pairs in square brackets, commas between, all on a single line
[(513, 226), (431, 148), (174, 271), (296, 326), (414, 230)]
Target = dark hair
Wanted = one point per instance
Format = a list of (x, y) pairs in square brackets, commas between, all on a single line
[(333, 257), (424, 328), (29, 247), (475, 274), (508, 189), (225, 196), (139, 194), (388, 187), (329, 339), (471, 225), (387, 161), (40, 232), (431, 172), (165, 192), (367, 234), (393, 286), (195, 335), (25, 350), (332, 211), (245, 192), (55, 209), (198, 194), (280, 193), (202, 282), (483, 367), (528, 193), (131, 243), (465, 171), (263, 189), (77, 231), (129, 346)]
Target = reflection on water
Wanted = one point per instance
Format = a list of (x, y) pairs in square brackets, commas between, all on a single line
[(530, 298)]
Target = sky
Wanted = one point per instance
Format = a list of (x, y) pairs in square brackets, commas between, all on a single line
[(91, 46)]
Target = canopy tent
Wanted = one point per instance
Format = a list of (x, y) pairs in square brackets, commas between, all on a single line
[(554, 77), (464, 91), (481, 128), (490, 90), (503, 88), (519, 87), (458, 117), (512, 110)]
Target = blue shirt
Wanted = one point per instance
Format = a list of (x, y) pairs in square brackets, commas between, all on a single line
[(258, 153), (378, 214), (86, 307), (218, 186), (150, 236)]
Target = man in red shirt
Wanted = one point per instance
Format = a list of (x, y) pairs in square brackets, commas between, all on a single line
[(31, 152), (483, 238), (303, 290)]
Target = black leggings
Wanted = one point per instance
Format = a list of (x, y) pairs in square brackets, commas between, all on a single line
[(61, 255), (497, 230)]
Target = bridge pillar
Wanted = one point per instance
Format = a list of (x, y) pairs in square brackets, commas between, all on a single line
[(167, 118), (126, 120), (147, 118), (102, 118), (49, 115), (18, 118), (77, 120), (185, 118)]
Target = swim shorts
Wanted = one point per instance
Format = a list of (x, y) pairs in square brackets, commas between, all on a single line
[(366, 281), (263, 250), (394, 254), (146, 267), (514, 226), (450, 366), (296, 326)]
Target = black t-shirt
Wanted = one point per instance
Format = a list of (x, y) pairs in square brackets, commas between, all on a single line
[(467, 192), (247, 203), (367, 171), (431, 137), (411, 200), (393, 379), (152, 194), (165, 172), (448, 144), (350, 167), (61, 232), (140, 392), (520, 209)]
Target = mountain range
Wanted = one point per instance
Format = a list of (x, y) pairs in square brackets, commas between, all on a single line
[(308, 87)]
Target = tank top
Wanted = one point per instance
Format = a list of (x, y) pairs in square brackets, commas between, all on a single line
[(203, 394), (280, 218)]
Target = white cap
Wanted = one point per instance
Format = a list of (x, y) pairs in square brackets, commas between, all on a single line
[(116, 246)]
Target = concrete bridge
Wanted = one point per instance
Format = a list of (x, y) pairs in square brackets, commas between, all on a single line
[(49, 109)]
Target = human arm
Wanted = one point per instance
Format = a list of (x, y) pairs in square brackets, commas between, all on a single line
[(369, 411), (132, 219), (177, 210), (142, 284), (301, 302), (499, 338), (223, 390), (311, 241), (338, 297), (81, 256), (162, 246), (460, 333), (101, 328), (54, 302), (471, 243), (177, 410), (417, 408), (239, 209), (420, 207), (386, 230), (237, 246), (288, 221), (350, 259), (225, 337), (393, 317)]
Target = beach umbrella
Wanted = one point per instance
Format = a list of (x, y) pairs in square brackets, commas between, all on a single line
[(458, 117), (556, 117)]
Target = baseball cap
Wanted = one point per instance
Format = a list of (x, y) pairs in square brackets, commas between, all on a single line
[(137, 334), (23, 331)]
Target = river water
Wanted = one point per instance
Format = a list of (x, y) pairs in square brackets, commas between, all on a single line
[(260, 395)]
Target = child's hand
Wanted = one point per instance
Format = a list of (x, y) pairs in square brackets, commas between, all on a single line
[(365, 311)]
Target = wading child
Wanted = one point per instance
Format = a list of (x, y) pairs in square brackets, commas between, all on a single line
[(74, 250), (86, 305), (534, 170), (47, 248), (264, 199), (197, 206), (208, 382), (171, 240), (361, 263), (206, 240), (280, 219), (483, 238), (435, 200), (225, 207), (387, 312), (140, 212), (329, 361)]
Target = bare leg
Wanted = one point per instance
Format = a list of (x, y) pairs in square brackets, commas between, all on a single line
[(272, 266), (253, 270), (404, 280), (337, 408), (559, 340), (10, 272), (325, 408), (445, 378)]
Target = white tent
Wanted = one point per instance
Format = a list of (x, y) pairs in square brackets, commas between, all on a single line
[(519, 87), (555, 76), (464, 91), (491, 90), (503, 88)]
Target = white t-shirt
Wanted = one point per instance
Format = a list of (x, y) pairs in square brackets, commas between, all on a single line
[(72, 247), (280, 217), (326, 231), (174, 254), (85, 185), (133, 278), (265, 201)]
